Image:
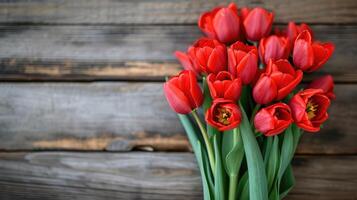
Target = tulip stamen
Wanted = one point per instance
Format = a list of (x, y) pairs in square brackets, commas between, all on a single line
[(311, 109), (223, 116)]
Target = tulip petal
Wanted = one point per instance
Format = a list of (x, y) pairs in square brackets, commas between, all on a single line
[(226, 24), (265, 90), (283, 92), (176, 99), (322, 52), (186, 61)]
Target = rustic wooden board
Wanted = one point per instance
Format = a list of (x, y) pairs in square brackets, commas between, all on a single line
[(65, 175), (166, 12), (122, 116), (127, 52)]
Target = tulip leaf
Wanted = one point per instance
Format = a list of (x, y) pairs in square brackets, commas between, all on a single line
[(206, 187), (274, 194), (287, 151), (232, 152), (201, 155), (272, 162), (256, 171), (207, 102), (243, 187), (287, 182), (219, 183)]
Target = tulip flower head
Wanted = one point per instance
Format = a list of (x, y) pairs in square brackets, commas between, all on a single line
[(187, 63), (183, 92), (208, 55), (222, 24), (224, 85), (278, 80), (292, 31), (257, 23), (274, 47), (243, 61), (273, 120), (310, 56), (223, 114), (326, 84), (309, 109)]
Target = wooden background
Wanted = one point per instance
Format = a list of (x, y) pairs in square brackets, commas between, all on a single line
[(81, 93)]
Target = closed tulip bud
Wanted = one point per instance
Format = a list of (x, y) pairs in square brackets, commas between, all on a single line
[(208, 55), (243, 61), (222, 24), (326, 84), (273, 120), (309, 109), (310, 56), (223, 115), (183, 92), (224, 85), (257, 23), (274, 47), (278, 80)]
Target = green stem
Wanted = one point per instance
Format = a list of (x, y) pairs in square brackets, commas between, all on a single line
[(206, 139), (232, 187), (255, 110)]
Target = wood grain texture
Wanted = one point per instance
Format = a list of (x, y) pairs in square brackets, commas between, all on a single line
[(122, 116), (128, 52), (166, 12), (65, 175)]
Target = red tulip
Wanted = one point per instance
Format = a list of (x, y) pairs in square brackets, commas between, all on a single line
[(257, 23), (274, 47), (183, 92), (273, 119), (243, 61), (293, 30), (223, 115), (186, 62), (309, 56), (208, 55), (309, 109), (222, 24), (326, 84), (278, 80), (224, 85)]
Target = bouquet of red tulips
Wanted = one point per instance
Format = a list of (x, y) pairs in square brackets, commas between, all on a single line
[(250, 99)]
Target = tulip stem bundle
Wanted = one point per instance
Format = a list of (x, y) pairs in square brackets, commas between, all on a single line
[(254, 109), (206, 139)]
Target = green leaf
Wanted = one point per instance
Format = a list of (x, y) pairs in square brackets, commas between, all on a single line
[(272, 163), (232, 151), (256, 171), (219, 184), (243, 187), (206, 187), (201, 155), (191, 131), (207, 102), (287, 182), (287, 151), (274, 195)]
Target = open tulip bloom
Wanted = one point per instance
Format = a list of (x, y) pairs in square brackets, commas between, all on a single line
[(245, 119)]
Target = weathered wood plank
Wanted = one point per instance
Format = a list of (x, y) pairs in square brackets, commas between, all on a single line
[(122, 116), (166, 12), (127, 52), (128, 176)]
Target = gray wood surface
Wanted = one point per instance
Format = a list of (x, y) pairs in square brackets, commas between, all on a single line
[(129, 176), (122, 116), (127, 52), (165, 12)]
